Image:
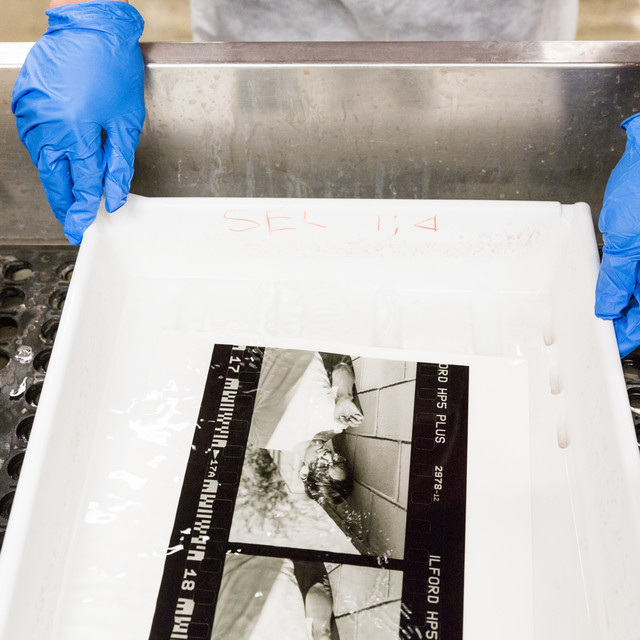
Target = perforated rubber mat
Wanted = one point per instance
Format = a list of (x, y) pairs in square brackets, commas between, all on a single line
[(33, 287)]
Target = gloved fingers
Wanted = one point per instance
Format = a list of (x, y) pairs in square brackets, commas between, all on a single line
[(632, 126), (87, 175), (119, 148), (615, 285), (55, 175), (627, 329)]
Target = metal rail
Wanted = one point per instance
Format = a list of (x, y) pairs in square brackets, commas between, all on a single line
[(522, 121)]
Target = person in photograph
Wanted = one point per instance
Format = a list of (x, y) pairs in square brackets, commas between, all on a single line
[(314, 585), (274, 507), (304, 399), (262, 598)]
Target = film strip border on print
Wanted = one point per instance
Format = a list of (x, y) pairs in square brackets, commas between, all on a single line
[(433, 564)]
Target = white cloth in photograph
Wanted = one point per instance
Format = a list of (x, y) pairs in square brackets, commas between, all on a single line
[(259, 599), (294, 401), (383, 20), (283, 614)]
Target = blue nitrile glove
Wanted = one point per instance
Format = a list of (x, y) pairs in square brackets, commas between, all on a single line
[(618, 288), (79, 104)]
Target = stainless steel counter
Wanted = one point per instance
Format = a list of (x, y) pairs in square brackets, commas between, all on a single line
[(360, 120)]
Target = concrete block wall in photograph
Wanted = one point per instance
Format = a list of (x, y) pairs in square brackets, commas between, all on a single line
[(366, 602), (379, 451)]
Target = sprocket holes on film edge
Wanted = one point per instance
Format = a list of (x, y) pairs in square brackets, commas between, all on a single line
[(23, 430), (11, 298), (49, 331), (8, 329), (15, 466), (65, 271), (33, 394), (6, 502), (18, 271), (5, 359), (41, 361), (57, 299)]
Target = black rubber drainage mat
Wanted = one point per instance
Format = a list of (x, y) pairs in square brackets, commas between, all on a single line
[(33, 287), (631, 368)]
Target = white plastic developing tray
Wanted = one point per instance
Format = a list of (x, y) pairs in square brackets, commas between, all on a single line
[(501, 290)]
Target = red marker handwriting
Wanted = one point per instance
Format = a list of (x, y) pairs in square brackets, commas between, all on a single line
[(424, 224), (247, 224), (241, 220)]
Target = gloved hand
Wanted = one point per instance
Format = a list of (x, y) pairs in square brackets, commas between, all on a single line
[(79, 104), (618, 288)]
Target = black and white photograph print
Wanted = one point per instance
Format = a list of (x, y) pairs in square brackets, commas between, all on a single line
[(323, 495), (326, 465), (268, 598)]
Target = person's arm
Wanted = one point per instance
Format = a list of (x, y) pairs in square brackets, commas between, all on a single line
[(79, 107), (318, 606), (342, 381), (618, 289), (315, 588)]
